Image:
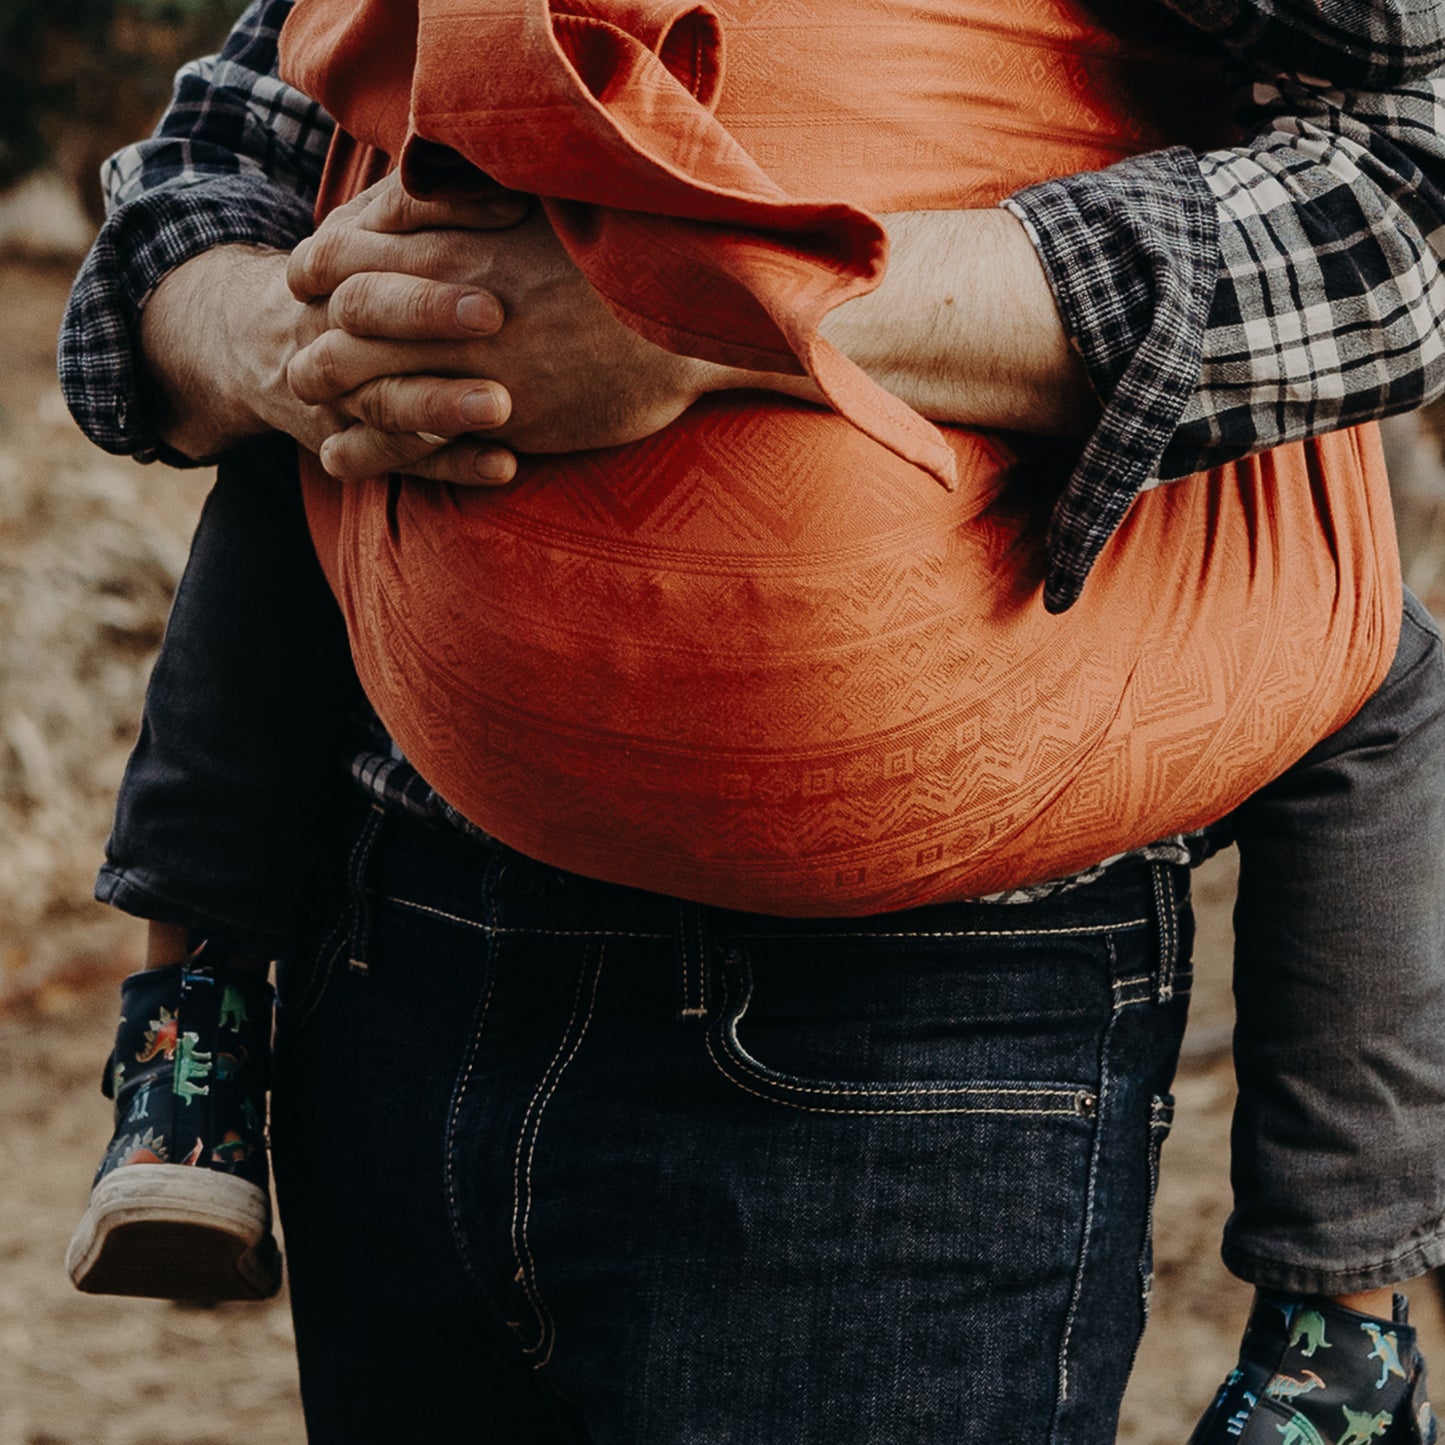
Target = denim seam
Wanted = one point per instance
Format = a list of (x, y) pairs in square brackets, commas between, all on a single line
[(689, 932), (1161, 1121), (503, 932), (1081, 931), (356, 881), (1099, 1122), (1131, 992), (686, 960), (1168, 929), (700, 1006), (526, 1268), (727, 1034), (320, 981), (454, 1125)]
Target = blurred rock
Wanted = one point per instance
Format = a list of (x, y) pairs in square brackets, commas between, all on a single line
[(42, 219), (91, 548), (1417, 484)]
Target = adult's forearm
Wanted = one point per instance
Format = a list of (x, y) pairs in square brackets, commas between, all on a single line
[(214, 340), (964, 327)]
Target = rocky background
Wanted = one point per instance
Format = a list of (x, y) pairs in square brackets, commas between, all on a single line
[(90, 551)]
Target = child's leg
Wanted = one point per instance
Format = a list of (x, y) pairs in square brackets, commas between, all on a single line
[(1339, 1131), (233, 772), (236, 759), (1339, 1134)]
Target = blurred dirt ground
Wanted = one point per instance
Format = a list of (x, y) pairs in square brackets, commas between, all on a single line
[(90, 548)]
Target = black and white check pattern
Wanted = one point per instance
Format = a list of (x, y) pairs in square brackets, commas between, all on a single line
[(1374, 43), (1226, 303), (1222, 303)]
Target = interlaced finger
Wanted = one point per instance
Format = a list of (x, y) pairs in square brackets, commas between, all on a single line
[(361, 452), (412, 308), (440, 405), (320, 263), (337, 363), (488, 207)]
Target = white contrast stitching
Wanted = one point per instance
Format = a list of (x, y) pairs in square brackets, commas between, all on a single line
[(1079, 932), (527, 1269), (360, 855), (1088, 1231), (503, 932), (727, 1034), (699, 1009), (750, 1066), (1082, 930), (686, 948), (454, 1124), (883, 1113), (1163, 903)]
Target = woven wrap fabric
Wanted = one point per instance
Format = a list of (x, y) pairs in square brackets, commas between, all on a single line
[(778, 657)]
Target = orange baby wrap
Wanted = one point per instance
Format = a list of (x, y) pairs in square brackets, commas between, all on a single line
[(765, 659)]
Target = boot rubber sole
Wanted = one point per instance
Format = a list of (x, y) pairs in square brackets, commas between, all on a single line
[(170, 1231)]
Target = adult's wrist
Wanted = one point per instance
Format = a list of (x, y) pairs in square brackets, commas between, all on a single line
[(215, 337)]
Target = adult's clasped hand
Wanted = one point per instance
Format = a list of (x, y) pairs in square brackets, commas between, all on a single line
[(459, 332)]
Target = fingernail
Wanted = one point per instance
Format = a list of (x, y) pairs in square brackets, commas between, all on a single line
[(480, 408), (495, 466), (478, 313)]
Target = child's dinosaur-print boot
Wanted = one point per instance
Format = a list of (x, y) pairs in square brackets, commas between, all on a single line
[(1315, 1373), (181, 1205)]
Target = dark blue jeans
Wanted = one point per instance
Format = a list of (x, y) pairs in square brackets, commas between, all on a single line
[(564, 1161)]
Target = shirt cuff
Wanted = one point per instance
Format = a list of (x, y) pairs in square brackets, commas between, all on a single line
[(1132, 255), (143, 242)]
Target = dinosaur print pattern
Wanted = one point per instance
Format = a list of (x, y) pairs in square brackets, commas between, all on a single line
[(191, 1065), (232, 1149), (1386, 1351), (140, 1104), (1309, 1327), (1363, 1428), (1297, 1430), (1370, 1391), (233, 1009), (160, 1038), (1287, 1387), (1240, 1418), (146, 1148)]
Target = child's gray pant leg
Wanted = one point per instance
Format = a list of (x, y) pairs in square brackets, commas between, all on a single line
[(1339, 1131)]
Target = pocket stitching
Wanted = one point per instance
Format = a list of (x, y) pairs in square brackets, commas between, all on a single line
[(1081, 1099), (526, 1268)]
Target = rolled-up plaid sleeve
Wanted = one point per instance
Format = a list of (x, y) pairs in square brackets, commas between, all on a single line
[(1281, 288), (236, 159)]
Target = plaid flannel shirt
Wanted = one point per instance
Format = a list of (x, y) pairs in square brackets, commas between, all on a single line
[(1222, 303)]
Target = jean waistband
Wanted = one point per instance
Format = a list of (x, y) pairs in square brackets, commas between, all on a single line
[(472, 875)]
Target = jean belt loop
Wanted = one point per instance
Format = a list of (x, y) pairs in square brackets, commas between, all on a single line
[(692, 954), (357, 959), (1166, 924)]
